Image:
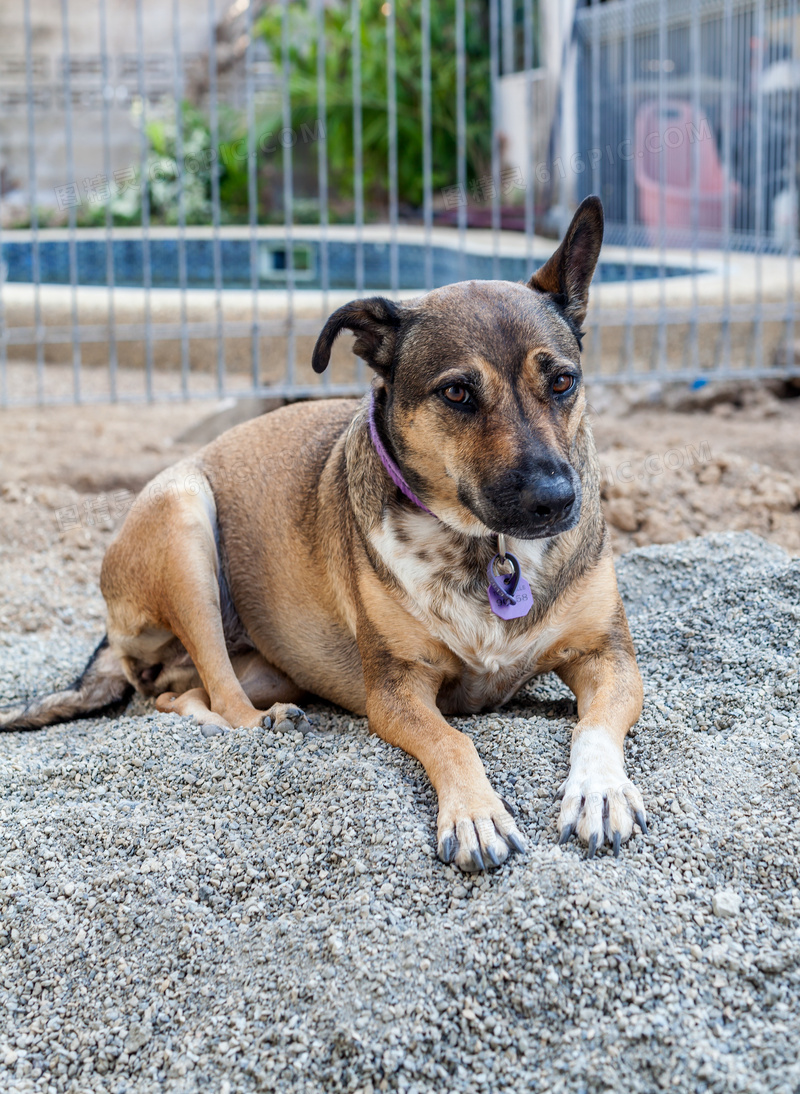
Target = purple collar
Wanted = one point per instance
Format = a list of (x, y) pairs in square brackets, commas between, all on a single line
[(391, 468)]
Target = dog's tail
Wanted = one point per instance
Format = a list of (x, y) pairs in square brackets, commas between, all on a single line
[(101, 684)]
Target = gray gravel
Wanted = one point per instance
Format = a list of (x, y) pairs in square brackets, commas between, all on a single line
[(255, 911)]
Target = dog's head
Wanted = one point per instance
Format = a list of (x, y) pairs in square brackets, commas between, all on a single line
[(480, 393)]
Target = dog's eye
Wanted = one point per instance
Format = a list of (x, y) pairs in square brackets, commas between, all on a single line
[(563, 383), (456, 393)]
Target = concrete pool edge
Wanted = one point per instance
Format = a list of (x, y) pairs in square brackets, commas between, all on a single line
[(772, 277), (740, 287)]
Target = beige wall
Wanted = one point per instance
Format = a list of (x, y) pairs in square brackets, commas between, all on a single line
[(88, 90)]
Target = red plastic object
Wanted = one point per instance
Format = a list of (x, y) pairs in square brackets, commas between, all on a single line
[(666, 143)]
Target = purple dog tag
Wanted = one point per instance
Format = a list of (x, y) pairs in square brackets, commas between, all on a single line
[(509, 594)]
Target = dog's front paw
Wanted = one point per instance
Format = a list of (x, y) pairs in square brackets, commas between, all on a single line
[(600, 803), (284, 717), (477, 832)]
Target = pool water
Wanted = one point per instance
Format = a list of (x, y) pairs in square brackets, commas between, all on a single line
[(271, 260)]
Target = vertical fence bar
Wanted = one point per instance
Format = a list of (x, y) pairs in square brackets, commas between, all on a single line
[(791, 356), (745, 217), (461, 135), (740, 56), (34, 210), (288, 191), (597, 180), (358, 158), (773, 104), (177, 93), (427, 155), (109, 216), (147, 273), (630, 194), (322, 168), (724, 354), (252, 198), (494, 60), (530, 166), (758, 323), (391, 117), (358, 150), (661, 341), (73, 249), (691, 353), (776, 107), (216, 244), (322, 163), (778, 112), (775, 123), (568, 66)]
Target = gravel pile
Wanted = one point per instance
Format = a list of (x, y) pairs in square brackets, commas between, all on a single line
[(255, 912)]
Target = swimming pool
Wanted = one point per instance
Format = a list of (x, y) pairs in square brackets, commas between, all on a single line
[(197, 256)]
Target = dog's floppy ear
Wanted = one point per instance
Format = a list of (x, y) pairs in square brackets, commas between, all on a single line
[(374, 322), (567, 273)]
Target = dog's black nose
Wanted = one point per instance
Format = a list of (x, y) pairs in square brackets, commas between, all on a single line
[(548, 498), (541, 498)]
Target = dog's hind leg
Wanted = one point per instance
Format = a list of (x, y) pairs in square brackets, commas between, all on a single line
[(194, 703), (161, 577), (264, 685)]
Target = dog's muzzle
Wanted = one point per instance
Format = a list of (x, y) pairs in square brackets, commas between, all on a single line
[(534, 503)]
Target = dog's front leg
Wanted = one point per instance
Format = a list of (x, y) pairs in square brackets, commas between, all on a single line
[(599, 801), (475, 830)]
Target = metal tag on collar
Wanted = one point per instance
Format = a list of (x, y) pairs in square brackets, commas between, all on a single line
[(509, 594)]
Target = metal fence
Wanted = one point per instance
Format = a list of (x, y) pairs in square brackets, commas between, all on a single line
[(187, 191), (691, 108)]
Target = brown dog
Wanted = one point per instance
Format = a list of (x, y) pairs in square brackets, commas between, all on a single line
[(299, 553)]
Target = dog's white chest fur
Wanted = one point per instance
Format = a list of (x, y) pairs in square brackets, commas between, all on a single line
[(420, 552)]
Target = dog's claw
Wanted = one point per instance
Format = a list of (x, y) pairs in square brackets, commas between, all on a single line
[(592, 845), (566, 834), (509, 808), (449, 848), (477, 862), (617, 843), (638, 816), (478, 838), (515, 843)]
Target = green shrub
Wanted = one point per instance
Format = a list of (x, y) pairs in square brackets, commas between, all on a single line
[(197, 162), (303, 37), (338, 123)]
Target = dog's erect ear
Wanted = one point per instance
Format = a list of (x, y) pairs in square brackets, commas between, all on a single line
[(567, 273), (374, 322)]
